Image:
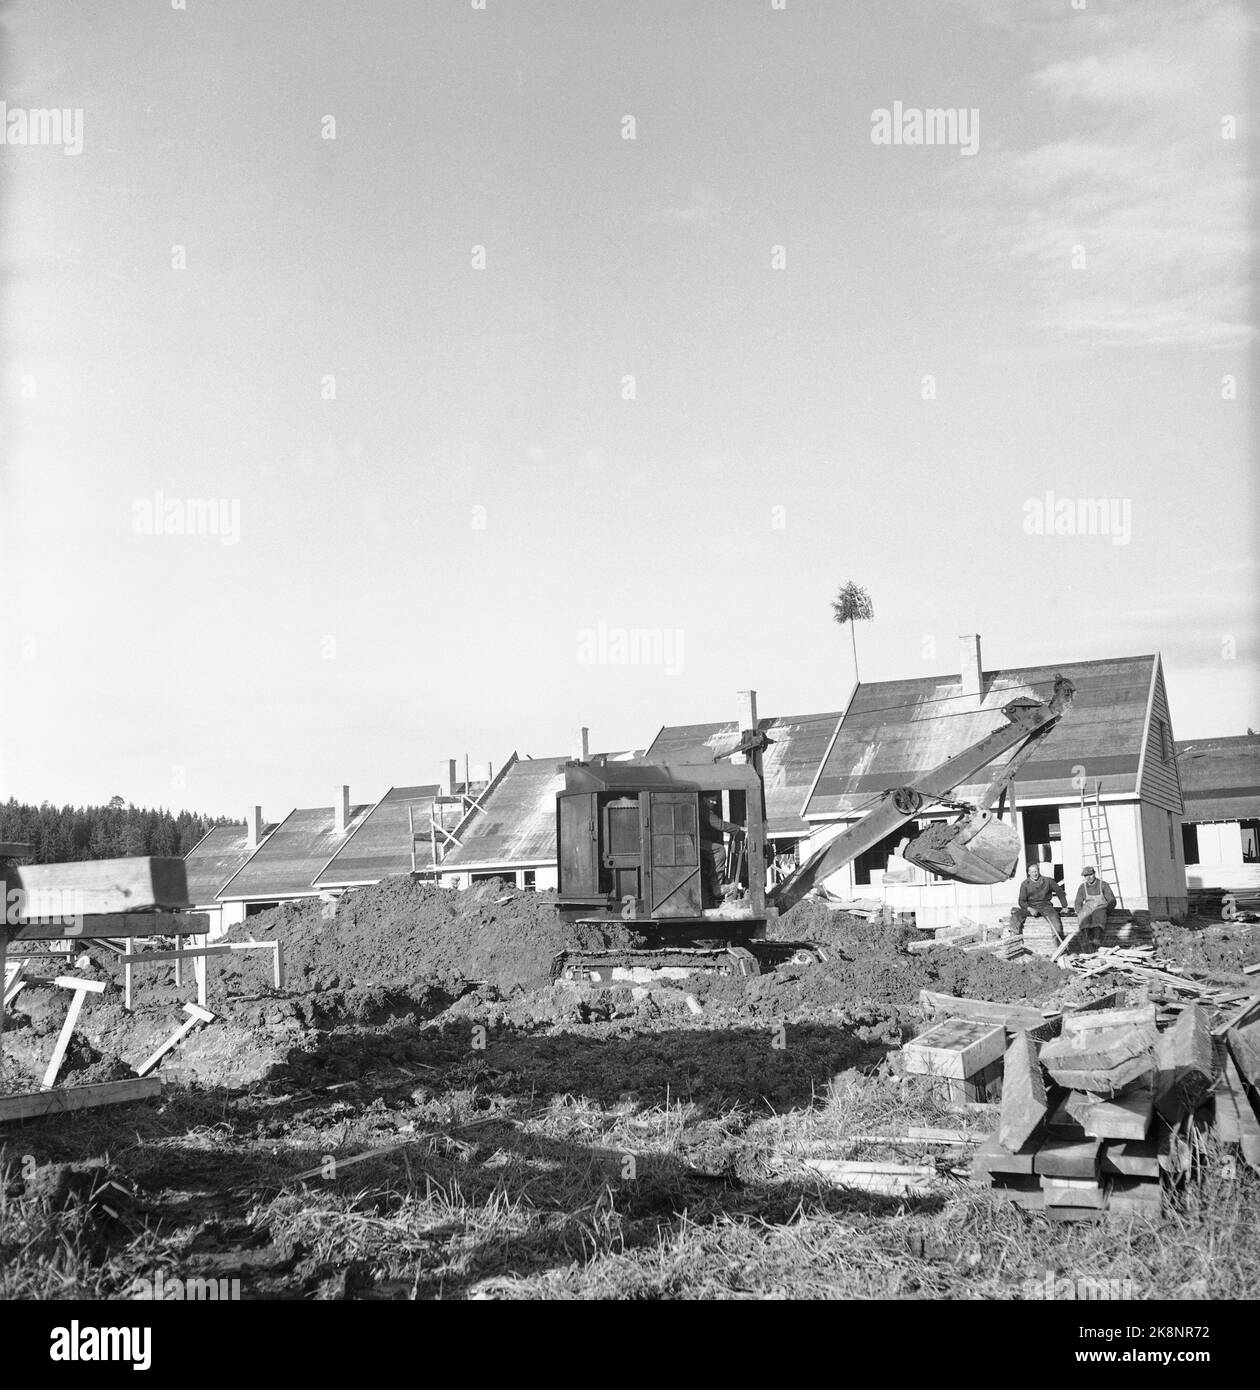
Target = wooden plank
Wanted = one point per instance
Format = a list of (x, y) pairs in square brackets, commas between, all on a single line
[(1126, 1117), (1011, 1016), (1243, 1118), (1244, 1046), (63, 1098), (81, 988), (1099, 1050), (1186, 1064), (103, 885), (127, 924), (1024, 1102), (994, 1157), (1130, 1158), (1073, 1192), (1136, 1196), (1105, 1083), (1081, 1024), (1245, 1013), (1068, 1158)]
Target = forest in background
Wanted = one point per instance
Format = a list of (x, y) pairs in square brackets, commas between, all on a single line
[(60, 834)]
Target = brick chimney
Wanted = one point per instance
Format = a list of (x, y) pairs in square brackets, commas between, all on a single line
[(972, 672), (448, 777), (581, 745), (341, 809), (254, 827)]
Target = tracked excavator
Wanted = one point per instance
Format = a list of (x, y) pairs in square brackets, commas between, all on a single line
[(640, 844)]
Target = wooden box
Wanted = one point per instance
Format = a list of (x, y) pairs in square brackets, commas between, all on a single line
[(955, 1047)]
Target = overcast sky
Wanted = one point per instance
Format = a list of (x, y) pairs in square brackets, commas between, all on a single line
[(691, 381)]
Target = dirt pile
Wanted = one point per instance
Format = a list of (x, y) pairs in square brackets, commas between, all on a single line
[(401, 934)]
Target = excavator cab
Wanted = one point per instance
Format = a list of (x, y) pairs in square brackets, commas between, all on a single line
[(637, 842)]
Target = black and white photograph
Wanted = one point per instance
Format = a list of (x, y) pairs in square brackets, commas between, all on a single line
[(630, 672)]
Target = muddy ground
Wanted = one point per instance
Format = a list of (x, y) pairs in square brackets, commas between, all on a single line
[(410, 1009)]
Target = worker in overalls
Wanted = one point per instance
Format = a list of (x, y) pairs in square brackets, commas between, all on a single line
[(1094, 899)]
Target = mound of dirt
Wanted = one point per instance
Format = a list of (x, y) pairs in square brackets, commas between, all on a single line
[(401, 933)]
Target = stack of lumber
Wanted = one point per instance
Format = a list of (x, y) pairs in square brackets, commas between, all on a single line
[(1091, 1121)]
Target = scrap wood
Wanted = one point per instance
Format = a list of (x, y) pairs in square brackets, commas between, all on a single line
[(340, 1163), (62, 1098)]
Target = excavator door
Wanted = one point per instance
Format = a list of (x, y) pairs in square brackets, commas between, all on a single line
[(976, 849)]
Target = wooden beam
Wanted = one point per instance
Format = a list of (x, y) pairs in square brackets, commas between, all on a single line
[(104, 885), (78, 1097), (80, 988), (125, 924)]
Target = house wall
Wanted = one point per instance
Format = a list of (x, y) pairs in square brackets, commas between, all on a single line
[(1146, 878), (1221, 858), (1166, 894)]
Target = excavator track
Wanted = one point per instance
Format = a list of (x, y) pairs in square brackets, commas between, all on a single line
[(639, 966)]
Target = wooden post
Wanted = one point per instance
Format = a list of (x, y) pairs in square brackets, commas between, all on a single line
[(81, 988), (131, 946), (179, 981), (277, 973)]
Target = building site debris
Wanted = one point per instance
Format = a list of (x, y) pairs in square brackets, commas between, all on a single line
[(196, 1014), (81, 989), (1024, 1101), (61, 1098)]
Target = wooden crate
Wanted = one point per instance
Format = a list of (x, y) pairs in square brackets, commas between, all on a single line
[(957, 1048)]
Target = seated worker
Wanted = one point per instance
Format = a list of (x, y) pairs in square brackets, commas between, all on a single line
[(1094, 899), (1036, 896)]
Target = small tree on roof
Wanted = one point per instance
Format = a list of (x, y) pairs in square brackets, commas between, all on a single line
[(851, 605)]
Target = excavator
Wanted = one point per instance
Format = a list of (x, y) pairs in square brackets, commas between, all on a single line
[(636, 841)]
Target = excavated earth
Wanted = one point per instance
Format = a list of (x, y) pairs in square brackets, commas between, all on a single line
[(406, 1006)]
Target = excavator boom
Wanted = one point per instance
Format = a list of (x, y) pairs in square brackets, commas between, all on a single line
[(1028, 720)]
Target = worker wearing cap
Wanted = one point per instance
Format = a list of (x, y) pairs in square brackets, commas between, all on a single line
[(1036, 895), (1094, 899)]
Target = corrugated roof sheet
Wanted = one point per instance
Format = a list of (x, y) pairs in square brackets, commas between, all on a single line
[(789, 765), (381, 845), (1220, 777), (518, 822), (291, 856), (894, 731), (213, 860)]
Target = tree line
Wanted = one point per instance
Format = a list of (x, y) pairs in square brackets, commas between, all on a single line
[(61, 834)]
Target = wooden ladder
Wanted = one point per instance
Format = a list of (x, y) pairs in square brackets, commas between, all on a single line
[(1096, 839)]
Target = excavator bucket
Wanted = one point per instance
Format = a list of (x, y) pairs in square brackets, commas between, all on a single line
[(976, 849)]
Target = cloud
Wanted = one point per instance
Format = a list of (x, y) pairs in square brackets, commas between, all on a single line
[(1132, 225)]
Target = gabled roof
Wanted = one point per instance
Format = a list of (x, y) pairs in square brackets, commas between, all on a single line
[(381, 844), (287, 862), (1220, 777), (789, 765), (214, 859), (894, 731), (516, 820)]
